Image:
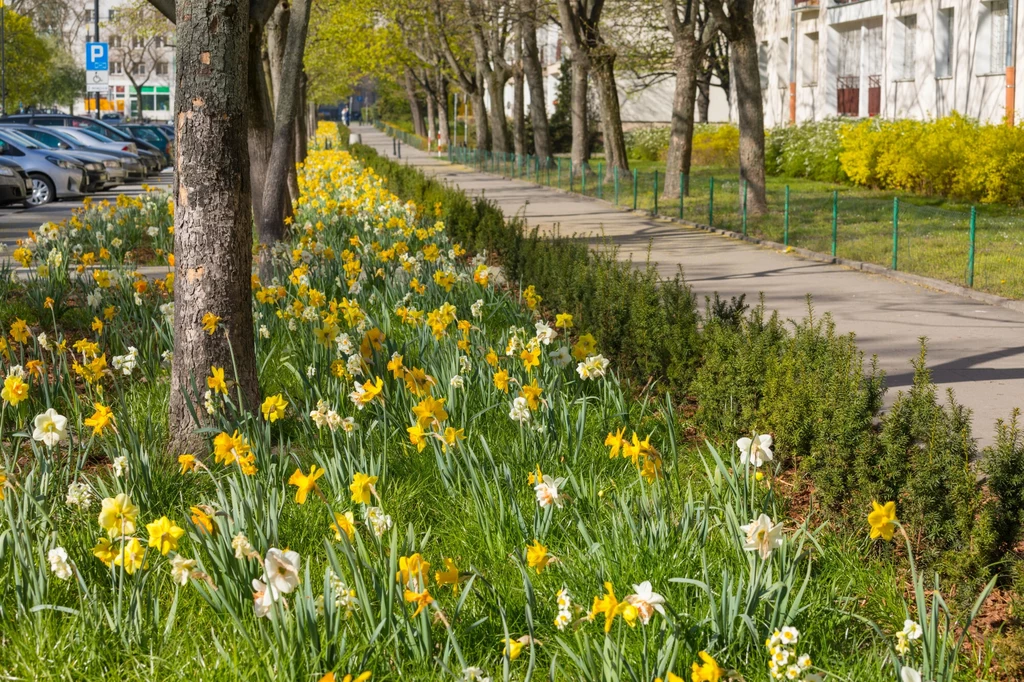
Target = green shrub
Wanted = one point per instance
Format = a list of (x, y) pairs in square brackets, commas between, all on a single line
[(1003, 463), (714, 145), (809, 150)]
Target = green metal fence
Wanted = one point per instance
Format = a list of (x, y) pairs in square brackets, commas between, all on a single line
[(970, 247)]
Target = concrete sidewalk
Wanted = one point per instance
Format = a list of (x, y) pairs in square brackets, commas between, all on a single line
[(973, 348)]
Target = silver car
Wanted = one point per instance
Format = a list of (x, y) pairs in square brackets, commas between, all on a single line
[(54, 174), (113, 161)]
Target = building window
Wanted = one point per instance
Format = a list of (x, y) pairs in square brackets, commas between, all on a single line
[(782, 65), (997, 42), (115, 41), (905, 42), (944, 43), (88, 16), (111, 14), (139, 69), (159, 42), (138, 41), (116, 68), (762, 63), (162, 68), (810, 60)]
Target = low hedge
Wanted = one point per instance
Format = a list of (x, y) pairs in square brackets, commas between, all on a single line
[(749, 370)]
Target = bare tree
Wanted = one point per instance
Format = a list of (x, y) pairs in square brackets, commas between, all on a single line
[(735, 19), (470, 79), (579, 29), (535, 81), (138, 41)]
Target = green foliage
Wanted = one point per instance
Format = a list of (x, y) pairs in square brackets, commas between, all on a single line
[(715, 145), (1003, 463), (809, 150), (28, 61), (560, 124)]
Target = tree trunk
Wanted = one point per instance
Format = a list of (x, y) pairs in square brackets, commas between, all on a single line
[(441, 88), (680, 145), (518, 118), (261, 120), (703, 100), (277, 38), (535, 81), (302, 121), (746, 75), (271, 225), (431, 118), (483, 131), (414, 104), (615, 141), (580, 154), (499, 122), (212, 217)]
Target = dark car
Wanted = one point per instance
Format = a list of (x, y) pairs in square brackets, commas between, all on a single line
[(121, 166), (91, 125), (152, 134), (15, 185)]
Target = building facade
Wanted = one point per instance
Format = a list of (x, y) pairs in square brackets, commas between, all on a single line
[(915, 59), (140, 50)]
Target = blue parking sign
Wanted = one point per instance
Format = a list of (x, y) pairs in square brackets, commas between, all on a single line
[(96, 57)]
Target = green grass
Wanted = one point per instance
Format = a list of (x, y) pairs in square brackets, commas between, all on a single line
[(933, 233)]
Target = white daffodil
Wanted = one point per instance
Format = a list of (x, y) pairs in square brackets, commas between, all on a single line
[(547, 492), (912, 629), (263, 598), (50, 428), (763, 537), (560, 357), (646, 601), (755, 452), (181, 569), (545, 334), (909, 675), (241, 545), (58, 557), (520, 411), (282, 570)]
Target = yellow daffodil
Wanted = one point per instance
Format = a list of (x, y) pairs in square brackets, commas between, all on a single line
[(417, 436), (20, 332), (362, 487), (15, 390), (210, 322), (882, 520), (563, 320), (117, 515), (531, 392), (614, 441), (273, 408), (97, 325), (131, 556), (669, 677), (449, 576), (164, 534), (708, 671), (215, 382), (187, 462), (202, 519), (452, 436), (537, 556), (101, 419), (429, 410), (105, 551), (413, 571), (501, 380), (344, 523), (421, 599), (305, 482), (530, 358)]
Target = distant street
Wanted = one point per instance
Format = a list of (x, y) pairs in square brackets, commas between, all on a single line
[(15, 221)]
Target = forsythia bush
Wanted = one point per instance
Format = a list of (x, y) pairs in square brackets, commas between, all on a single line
[(713, 144)]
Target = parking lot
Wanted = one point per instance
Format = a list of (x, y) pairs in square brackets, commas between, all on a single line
[(16, 221)]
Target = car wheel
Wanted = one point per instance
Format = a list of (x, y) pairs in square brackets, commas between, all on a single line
[(43, 191)]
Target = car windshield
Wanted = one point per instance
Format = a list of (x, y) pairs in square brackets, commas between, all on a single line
[(95, 137), (46, 137), (23, 140)]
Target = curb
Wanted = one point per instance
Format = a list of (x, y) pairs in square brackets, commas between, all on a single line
[(871, 268)]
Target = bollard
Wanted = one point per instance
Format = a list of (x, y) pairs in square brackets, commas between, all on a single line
[(682, 185), (744, 208), (711, 201), (399, 149), (655, 191), (835, 221), (615, 172), (634, 189)]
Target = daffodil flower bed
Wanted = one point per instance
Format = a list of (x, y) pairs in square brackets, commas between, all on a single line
[(443, 481)]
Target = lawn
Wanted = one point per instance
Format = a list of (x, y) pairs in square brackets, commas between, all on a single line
[(446, 481)]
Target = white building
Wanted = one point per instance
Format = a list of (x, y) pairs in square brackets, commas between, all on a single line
[(149, 58), (895, 59)]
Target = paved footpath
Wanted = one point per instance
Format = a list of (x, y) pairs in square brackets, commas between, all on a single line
[(973, 348)]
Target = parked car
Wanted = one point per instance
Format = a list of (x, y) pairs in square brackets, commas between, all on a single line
[(122, 166), (151, 134), (54, 174), (15, 184), (168, 130), (99, 175), (91, 124), (150, 160)]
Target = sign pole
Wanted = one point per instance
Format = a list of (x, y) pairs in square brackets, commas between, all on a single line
[(96, 27), (3, 61)]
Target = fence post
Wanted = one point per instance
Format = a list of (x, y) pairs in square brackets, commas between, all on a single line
[(634, 189), (600, 180), (895, 232), (655, 192), (572, 172), (615, 172), (835, 220), (682, 182), (559, 172), (711, 202), (970, 254), (744, 208), (785, 220), (399, 149), (583, 178)]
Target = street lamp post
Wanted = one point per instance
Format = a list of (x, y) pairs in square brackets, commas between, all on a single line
[(3, 61)]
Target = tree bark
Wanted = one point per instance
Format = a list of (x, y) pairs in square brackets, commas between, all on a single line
[(518, 122), (483, 130), (261, 120), (441, 88), (680, 145), (747, 76), (703, 100), (580, 154), (212, 217), (277, 38), (414, 104), (431, 111), (535, 81), (302, 121), (499, 122), (282, 156), (611, 117)]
